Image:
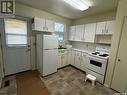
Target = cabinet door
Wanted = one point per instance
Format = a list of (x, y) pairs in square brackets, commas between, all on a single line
[(59, 64), (119, 81), (49, 26), (110, 27), (39, 24), (72, 58), (101, 28), (78, 60), (90, 30), (69, 57), (79, 32), (84, 61), (72, 33), (64, 60)]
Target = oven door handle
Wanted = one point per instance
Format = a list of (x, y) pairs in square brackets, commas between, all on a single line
[(97, 59)]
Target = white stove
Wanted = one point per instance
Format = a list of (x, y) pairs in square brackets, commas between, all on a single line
[(102, 53), (98, 61)]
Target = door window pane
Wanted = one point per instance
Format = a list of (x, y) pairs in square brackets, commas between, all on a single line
[(16, 32), (16, 40)]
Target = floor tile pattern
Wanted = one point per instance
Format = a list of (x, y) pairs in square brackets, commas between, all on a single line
[(70, 81)]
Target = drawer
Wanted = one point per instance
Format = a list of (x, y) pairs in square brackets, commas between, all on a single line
[(100, 78)]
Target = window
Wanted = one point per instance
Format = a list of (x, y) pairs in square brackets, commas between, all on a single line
[(59, 30), (15, 32), (59, 27)]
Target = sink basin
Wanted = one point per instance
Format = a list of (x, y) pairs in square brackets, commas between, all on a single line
[(61, 50)]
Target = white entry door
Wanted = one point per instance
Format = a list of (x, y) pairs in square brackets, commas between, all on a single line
[(119, 81), (17, 48)]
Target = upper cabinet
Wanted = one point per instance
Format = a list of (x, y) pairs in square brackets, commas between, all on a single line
[(41, 24), (93, 32), (105, 28), (49, 25), (38, 24), (84, 33), (90, 31), (72, 33), (100, 27), (79, 33), (110, 27)]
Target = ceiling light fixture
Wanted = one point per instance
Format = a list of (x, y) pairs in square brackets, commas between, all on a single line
[(78, 4)]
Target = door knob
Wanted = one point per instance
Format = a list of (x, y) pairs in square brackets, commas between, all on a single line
[(28, 46), (119, 60)]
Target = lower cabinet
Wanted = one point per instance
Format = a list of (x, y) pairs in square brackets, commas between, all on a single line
[(62, 61), (71, 57), (75, 58), (84, 62), (78, 59), (59, 63)]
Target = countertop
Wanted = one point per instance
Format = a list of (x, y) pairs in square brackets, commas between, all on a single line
[(80, 50)]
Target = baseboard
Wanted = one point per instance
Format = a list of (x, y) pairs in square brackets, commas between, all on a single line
[(106, 85)]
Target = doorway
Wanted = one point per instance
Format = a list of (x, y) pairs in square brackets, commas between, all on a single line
[(16, 42)]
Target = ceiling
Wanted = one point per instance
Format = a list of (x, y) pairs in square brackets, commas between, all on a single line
[(59, 7)]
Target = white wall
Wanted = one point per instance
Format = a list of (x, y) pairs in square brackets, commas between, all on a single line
[(24, 10), (121, 13), (96, 18)]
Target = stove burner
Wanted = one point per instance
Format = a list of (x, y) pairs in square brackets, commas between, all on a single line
[(103, 55), (95, 53)]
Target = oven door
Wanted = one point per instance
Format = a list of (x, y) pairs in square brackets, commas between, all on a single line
[(97, 65)]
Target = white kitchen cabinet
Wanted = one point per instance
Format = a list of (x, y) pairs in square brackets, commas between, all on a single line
[(101, 28), (110, 27), (38, 24), (84, 62), (41, 24), (72, 33), (59, 64), (90, 31), (105, 28), (79, 33), (78, 59), (64, 60), (72, 57), (49, 25), (69, 56)]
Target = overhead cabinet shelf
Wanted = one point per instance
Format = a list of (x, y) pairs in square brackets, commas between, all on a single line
[(41, 24), (88, 32)]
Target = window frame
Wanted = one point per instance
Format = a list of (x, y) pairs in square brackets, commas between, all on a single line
[(60, 33), (25, 35)]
